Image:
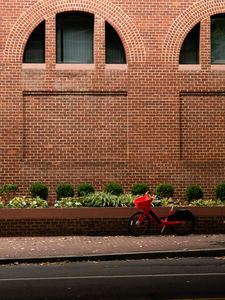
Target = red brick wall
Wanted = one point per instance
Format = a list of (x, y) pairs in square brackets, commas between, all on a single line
[(152, 121)]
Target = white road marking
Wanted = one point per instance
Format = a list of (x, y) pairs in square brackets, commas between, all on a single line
[(111, 276)]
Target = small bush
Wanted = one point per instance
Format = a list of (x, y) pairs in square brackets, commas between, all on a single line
[(114, 188), (64, 190), (194, 192), (220, 191), (85, 189), (38, 189), (139, 189), (164, 190)]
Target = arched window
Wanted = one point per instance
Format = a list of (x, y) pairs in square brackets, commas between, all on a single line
[(218, 39), (74, 38), (35, 47), (189, 53), (115, 53)]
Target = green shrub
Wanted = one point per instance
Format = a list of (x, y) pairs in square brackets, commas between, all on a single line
[(85, 189), (164, 190), (64, 190), (193, 192), (220, 191), (68, 202), (139, 189), (113, 188), (38, 189)]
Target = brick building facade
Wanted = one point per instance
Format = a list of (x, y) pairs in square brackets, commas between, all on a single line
[(152, 118)]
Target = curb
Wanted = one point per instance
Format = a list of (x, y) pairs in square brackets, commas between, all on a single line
[(217, 252)]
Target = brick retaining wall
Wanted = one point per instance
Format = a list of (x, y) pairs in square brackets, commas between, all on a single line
[(94, 221)]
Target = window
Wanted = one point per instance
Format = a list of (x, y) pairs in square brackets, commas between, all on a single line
[(115, 53), (189, 53), (218, 39), (35, 47), (74, 38)]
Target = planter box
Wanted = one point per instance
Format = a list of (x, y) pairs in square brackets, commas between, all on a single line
[(94, 221)]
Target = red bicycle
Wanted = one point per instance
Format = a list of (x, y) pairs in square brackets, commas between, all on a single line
[(181, 222)]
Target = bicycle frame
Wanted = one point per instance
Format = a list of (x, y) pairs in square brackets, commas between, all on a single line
[(163, 223)]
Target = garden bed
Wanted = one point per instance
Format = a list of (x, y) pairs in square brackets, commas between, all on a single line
[(94, 221)]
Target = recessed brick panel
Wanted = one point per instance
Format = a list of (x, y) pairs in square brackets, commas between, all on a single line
[(75, 128), (203, 126)]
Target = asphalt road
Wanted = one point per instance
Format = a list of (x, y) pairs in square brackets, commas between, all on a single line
[(140, 279)]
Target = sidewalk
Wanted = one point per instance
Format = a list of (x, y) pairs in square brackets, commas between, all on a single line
[(77, 248)]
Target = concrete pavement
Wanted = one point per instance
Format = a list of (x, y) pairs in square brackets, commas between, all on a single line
[(77, 248)]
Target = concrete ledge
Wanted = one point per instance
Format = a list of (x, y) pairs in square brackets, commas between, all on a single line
[(97, 212)]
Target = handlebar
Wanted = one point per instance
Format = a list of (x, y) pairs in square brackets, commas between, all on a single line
[(155, 198)]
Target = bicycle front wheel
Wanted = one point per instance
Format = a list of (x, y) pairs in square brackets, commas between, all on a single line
[(137, 228)]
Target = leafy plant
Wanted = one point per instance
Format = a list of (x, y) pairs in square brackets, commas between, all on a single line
[(166, 202), (99, 199), (68, 202), (85, 189), (1, 203), (208, 202), (139, 189), (220, 191), (103, 199), (64, 190), (36, 203), (22, 202), (39, 189), (193, 192), (17, 202), (125, 200), (164, 190), (113, 188), (8, 191)]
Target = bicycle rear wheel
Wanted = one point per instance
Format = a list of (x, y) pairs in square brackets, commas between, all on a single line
[(135, 227), (185, 228)]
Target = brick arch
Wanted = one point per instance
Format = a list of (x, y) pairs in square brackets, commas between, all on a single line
[(135, 50), (184, 23)]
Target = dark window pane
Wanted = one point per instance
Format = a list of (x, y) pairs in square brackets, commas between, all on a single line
[(75, 38), (218, 39), (35, 47), (189, 53), (115, 53)]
